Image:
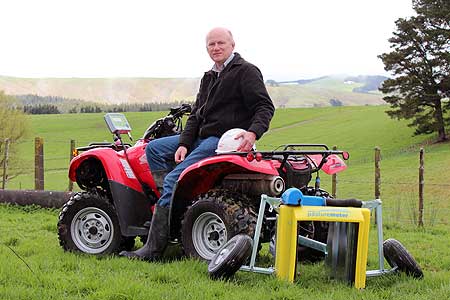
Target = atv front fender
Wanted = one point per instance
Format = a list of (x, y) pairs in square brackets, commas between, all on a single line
[(133, 208), (116, 167)]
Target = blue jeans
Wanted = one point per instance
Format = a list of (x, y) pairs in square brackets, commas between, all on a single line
[(161, 157)]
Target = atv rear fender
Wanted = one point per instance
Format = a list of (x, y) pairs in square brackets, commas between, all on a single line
[(207, 173)]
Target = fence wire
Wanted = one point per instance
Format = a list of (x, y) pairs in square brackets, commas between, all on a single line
[(397, 208)]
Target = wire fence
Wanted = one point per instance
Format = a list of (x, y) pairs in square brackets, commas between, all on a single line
[(398, 184)]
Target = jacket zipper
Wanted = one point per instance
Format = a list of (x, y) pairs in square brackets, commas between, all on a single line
[(207, 98)]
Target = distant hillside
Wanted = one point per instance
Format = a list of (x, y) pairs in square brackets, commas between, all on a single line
[(105, 90), (321, 91), (370, 83), (324, 91)]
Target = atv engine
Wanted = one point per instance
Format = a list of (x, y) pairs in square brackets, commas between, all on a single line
[(254, 184)]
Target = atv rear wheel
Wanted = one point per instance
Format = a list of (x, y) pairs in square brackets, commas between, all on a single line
[(88, 223), (212, 220)]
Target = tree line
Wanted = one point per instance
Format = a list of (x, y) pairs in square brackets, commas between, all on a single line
[(35, 104)]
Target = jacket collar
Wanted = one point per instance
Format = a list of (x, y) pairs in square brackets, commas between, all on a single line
[(229, 59), (237, 60)]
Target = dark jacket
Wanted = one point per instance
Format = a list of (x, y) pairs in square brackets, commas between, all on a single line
[(236, 99)]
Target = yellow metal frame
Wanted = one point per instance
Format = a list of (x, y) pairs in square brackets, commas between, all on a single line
[(286, 245)]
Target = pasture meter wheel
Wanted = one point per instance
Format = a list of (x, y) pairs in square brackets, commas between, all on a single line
[(397, 256), (230, 257)]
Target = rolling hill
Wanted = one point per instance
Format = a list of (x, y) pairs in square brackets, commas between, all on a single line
[(336, 90)]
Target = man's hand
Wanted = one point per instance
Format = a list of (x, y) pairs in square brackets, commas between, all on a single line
[(180, 154), (247, 142)]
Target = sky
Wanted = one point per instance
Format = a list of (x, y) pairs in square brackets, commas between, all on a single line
[(287, 40)]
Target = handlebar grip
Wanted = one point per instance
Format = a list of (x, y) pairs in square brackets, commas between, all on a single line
[(344, 202)]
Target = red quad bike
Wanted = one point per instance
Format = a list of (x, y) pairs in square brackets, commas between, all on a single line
[(214, 199)]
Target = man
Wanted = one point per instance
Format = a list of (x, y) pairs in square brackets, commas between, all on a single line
[(231, 95)]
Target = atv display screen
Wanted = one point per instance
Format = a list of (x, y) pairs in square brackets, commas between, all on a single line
[(117, 123)]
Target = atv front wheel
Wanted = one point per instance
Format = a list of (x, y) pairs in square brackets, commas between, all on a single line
[(212, 220), (88, 223)]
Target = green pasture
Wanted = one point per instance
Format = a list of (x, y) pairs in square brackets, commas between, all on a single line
[(357, 129), (34, 266)]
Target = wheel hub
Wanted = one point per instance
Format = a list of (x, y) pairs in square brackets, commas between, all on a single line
[(92, 230), (214, 236), (224, 253), (208, 234)]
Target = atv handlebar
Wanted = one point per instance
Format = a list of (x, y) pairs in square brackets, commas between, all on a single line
[(179, 111), (168, 125)]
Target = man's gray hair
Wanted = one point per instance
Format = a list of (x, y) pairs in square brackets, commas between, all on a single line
[(222, 28)]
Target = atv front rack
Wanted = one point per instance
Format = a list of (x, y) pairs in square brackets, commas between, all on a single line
[(114, 146)]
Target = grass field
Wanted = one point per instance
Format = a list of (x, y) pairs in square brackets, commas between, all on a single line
[(356, 129), (30, 232), (50, 273)]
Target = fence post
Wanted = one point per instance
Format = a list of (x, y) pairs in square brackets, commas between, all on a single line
[(377, 177), (334, 180), (421, 187), (72, 151), (377, 172), (38, 163), (5, 164)]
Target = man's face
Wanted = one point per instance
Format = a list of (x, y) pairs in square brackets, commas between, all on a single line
[(220, 45)]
